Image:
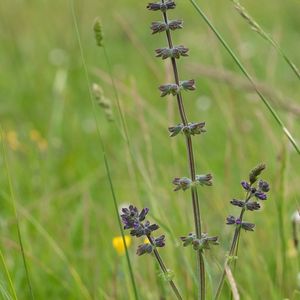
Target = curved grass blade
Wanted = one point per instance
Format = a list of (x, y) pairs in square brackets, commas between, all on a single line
[(256, 27), (12, 195), (13, 291), (248, 76)]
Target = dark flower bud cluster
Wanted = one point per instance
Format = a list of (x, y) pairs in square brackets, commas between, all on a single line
[(174, 89), (231, 220), (161, 6), (160, 26), (190, 129), (185, 183), (199, 244), (135, 220), (255, 189), (174, 52)]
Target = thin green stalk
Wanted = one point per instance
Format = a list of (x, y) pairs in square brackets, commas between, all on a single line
[(107, 168), (164, 269), (256, 27), (16, 216), (248, 76), (233, 249), (280, 201), (12, 288), (189, 146)]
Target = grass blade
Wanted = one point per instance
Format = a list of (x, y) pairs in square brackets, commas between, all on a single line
[(249, 77), (107, 168), (256, 27), (16, 216)]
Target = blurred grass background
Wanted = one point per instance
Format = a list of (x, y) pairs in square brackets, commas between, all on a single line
[(64, 203)]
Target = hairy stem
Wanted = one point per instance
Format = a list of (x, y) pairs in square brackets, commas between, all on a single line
[(189, 145)]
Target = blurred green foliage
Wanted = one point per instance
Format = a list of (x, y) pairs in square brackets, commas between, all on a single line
[(55, 161)]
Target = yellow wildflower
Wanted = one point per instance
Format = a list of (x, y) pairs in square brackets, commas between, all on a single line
[(12, 140), (119, 245)]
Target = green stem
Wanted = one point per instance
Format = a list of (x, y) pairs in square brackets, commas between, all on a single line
[(189, 146), (107, 169), (164, 269)]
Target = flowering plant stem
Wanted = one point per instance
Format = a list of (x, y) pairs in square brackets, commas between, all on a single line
[(233, 249), (164, 269), (189, 145)]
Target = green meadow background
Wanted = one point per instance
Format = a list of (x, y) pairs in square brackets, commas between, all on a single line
[(53, 179)]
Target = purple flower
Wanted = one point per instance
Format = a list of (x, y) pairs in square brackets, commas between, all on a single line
[(204, 179), (169, 4), (260, 195), (231, 220), (245, 185), (187, 240), (174, 130), (238, 203), (252, 206), (188, 85), (160, 26), (143, 249), (160, 241), (263, 186), (182, 183), (175, 24), (248, 226), (199, 243), (174, 52), (169, 89), (194, 128)]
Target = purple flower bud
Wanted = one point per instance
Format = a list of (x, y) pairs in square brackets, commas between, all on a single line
[(169, 4), (160, 241), (204, 179), (143, 249), (143, 214), (175, 24), (238, 221), (194, 128), (174, 52), (260, 195), (248, 226), (188, 85), (187, 240), (238, 203), (169, 89), (182, 183), (160, 26), (230, 220), (174, 130), (252, 206), (263, 186), (245, 185)]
